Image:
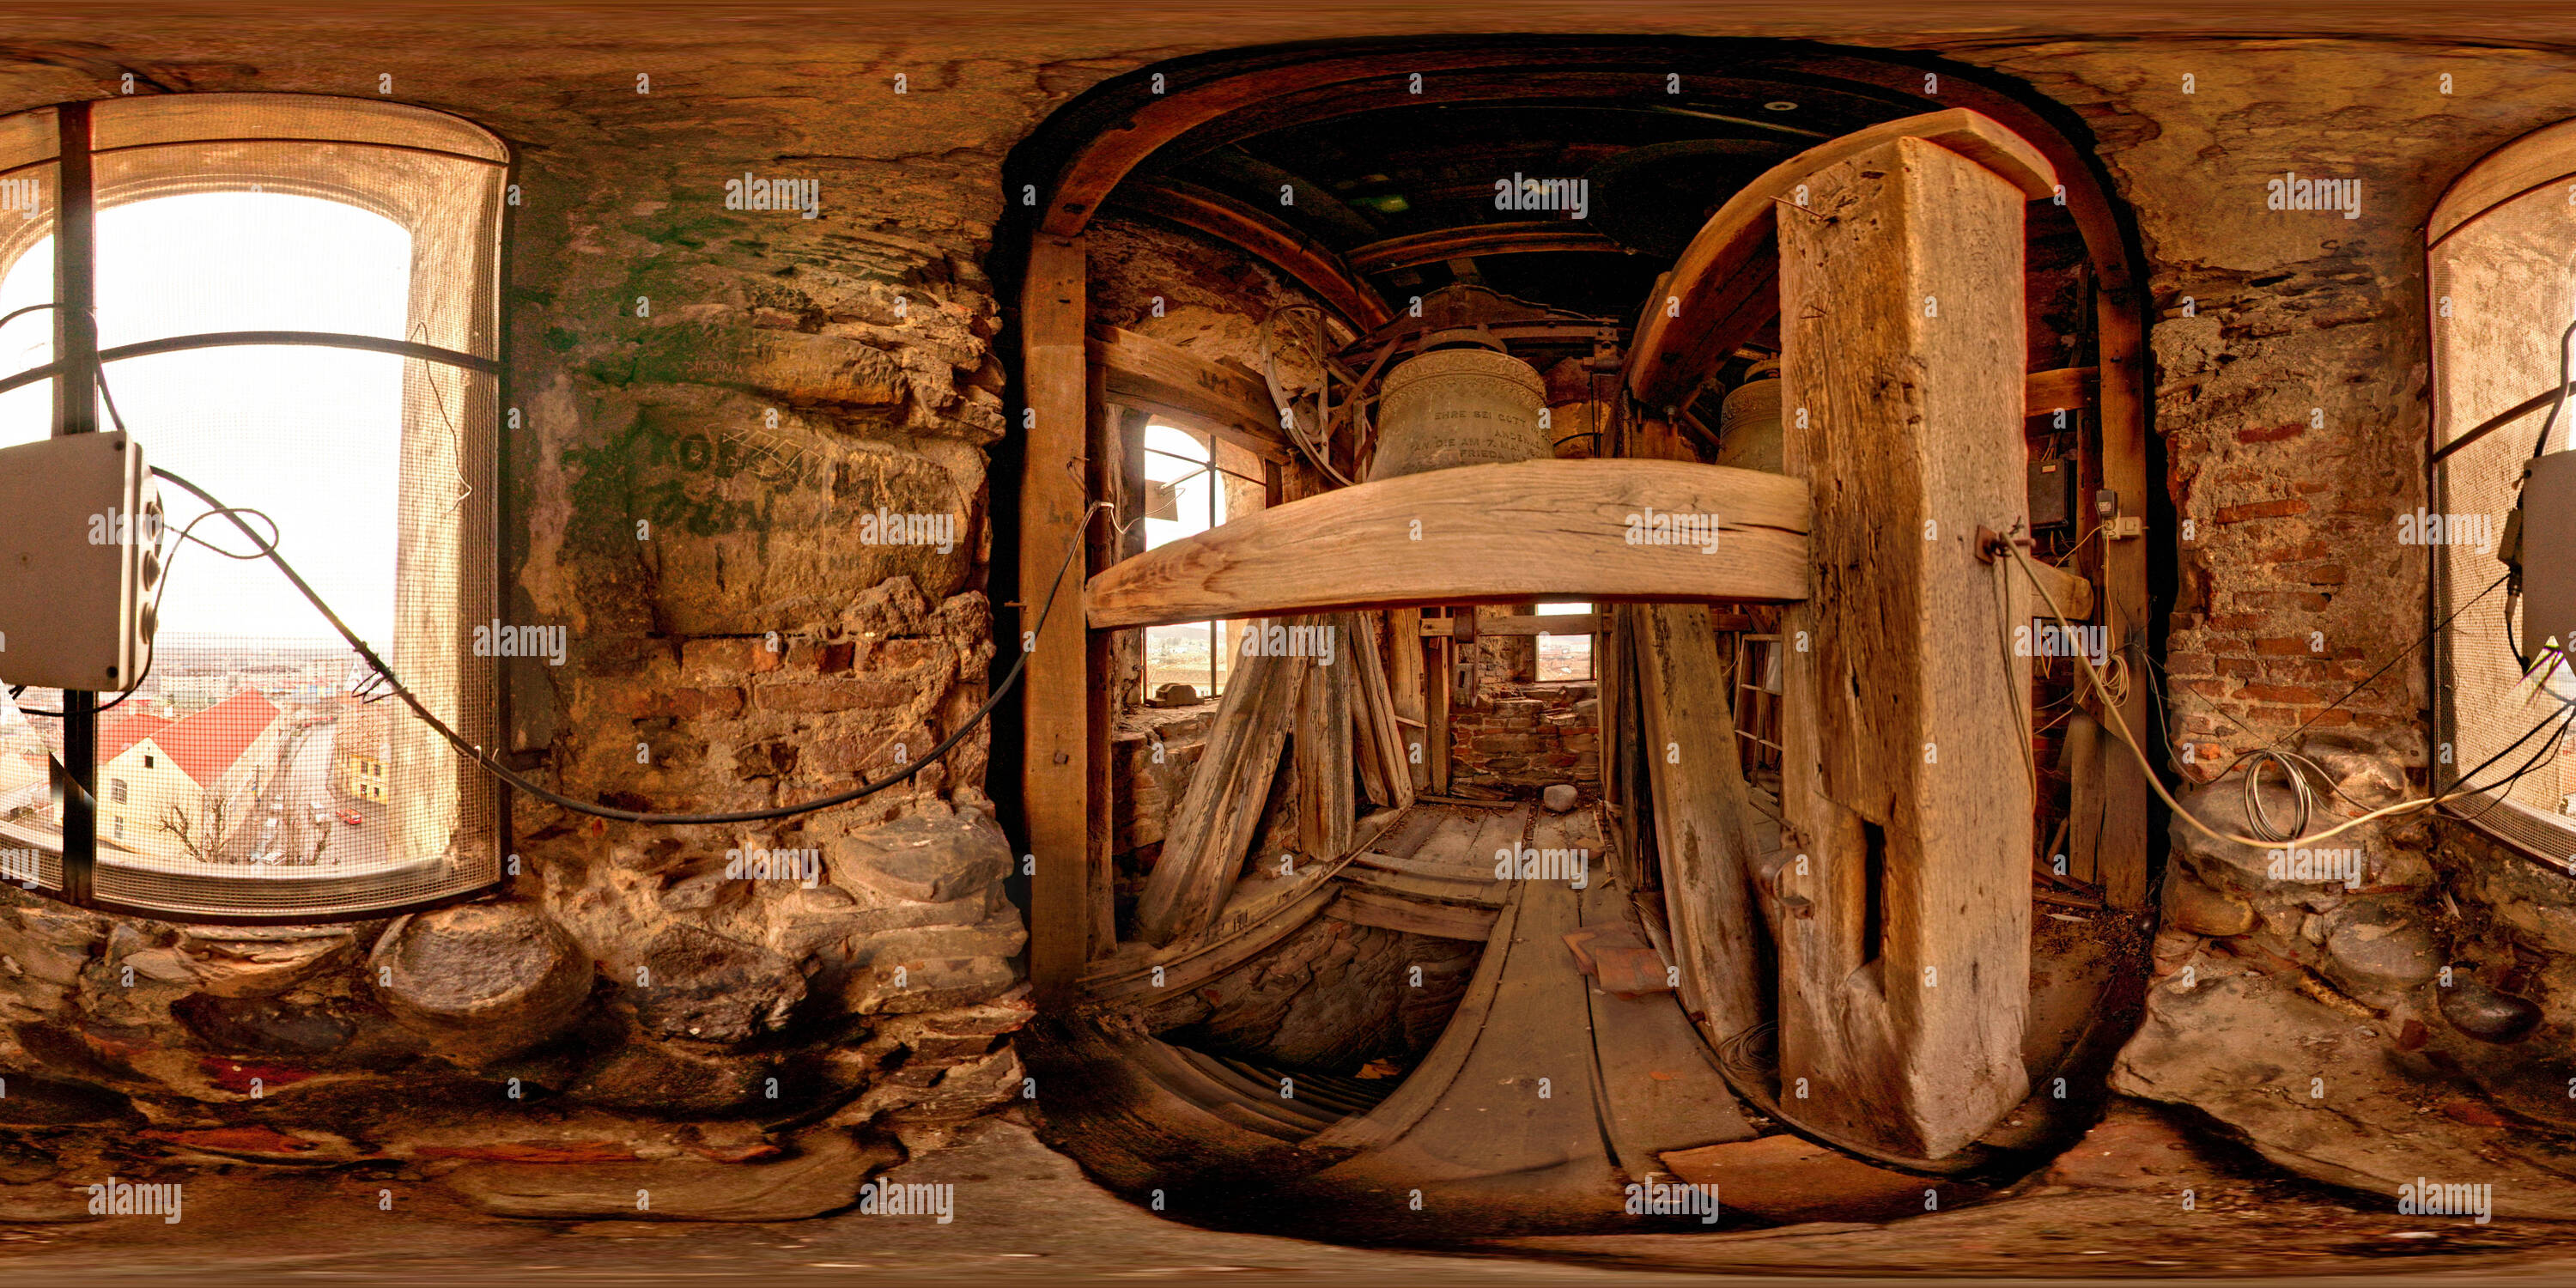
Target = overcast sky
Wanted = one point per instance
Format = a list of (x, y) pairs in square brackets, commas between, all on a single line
[(309, 435)]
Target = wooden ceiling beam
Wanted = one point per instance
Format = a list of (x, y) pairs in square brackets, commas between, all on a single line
[(1518, 237), (1314, 265), (1146, 373)]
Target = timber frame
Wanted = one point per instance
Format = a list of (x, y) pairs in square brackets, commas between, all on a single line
[(1063, 762)]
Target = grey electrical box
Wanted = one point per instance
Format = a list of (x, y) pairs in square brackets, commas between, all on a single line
[(2052, 492), (2549, 555), (80, 563)]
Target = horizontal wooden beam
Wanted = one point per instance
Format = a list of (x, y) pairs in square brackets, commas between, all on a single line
[(1519, 237), (2072, 593), (1313, 264), (1725, 285), (1536, 624), (2061, 389), (1481, 534), (1148, 374)]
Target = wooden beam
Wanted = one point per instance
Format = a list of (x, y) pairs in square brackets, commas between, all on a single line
[(1553, 529), (1534, 624), (1087, 180), (1405, 689), (2061, 389), (1517, 237), (1313, 264), (1703, 816), (1905, 716), (1203, 844), (1325, 806), (1102, 478), (1146, 373), (1378, 737), (1724, 284), (1055, 774), (1435, 733)]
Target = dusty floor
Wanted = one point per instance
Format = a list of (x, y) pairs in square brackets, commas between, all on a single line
[(2111, 1210)]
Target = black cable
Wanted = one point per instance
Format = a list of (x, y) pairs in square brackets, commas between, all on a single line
[(15, 314), (493, 767)]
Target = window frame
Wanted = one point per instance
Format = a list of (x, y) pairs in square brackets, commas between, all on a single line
[(2525, 167), (446, 182)]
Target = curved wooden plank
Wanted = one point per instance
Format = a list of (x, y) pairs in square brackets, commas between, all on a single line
[(1477, 534), (1088, 179), (1520, 236), (1312, 263), (1723, 286)]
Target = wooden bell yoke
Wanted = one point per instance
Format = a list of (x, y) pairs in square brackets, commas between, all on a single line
[(1901, 908)]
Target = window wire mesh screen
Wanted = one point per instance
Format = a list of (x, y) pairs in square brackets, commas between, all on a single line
[(30, 830), (249, 774), (2504, 286)]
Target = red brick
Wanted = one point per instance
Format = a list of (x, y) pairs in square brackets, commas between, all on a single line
[(2271, 433), (2295, 646), (2280, 509), (2279, 693)]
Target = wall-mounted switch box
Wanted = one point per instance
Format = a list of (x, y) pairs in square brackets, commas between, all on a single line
[(80, 563)]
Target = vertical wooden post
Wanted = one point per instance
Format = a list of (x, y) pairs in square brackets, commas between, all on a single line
[(1902, 351), (1103, 477), (1436, 690), (1056, 776), (1405, 684)]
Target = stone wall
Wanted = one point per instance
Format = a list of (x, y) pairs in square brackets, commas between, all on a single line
[(1519, 737)]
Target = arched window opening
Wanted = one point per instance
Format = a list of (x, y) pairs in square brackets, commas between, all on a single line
[(295, 305)]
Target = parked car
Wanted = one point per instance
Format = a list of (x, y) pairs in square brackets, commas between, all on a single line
[(350, 817)]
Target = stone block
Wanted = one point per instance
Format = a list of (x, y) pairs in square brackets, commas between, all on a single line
[(481, 980), (709, 988), (923, 859), (260, 961)]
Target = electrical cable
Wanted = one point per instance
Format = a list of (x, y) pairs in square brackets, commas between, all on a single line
[(2120, 727), (490, 765)]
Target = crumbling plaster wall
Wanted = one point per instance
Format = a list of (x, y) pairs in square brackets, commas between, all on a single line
[(2290, 398)]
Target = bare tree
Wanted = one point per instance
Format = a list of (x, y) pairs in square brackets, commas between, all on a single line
[(202, 841)]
